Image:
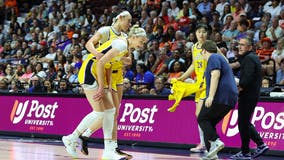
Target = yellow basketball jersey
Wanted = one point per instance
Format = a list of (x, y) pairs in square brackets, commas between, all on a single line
[(199, 63), (87, 73)]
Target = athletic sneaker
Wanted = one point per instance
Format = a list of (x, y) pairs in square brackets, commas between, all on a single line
[(198, 149), (112, 155), (241, 156), (215, 157), (216, 146), (70, 145), (236, 155), (83, 144), (120, 152), (259, 150)]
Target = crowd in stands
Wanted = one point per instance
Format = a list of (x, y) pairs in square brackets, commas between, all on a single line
[(41, 51)]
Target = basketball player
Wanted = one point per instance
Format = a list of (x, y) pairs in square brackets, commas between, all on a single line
[(94, 77)]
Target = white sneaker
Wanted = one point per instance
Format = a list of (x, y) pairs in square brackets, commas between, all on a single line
[(216, 146), (215, 157), (70, 145), (112, 155), (198, 149)]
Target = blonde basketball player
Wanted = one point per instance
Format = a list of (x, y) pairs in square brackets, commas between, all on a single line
[(94, 78), (120, 26)]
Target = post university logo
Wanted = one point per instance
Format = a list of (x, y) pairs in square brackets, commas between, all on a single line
[(271, 123), (33, 113), (230, 124)]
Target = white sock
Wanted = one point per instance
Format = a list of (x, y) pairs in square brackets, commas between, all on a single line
[(201, 136), (75, 135), (108, 122), (115, 144), (109, 145), (88, 132), (88, 120)]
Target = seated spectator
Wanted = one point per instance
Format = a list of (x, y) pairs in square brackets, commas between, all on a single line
[(14, 87), (238, 12), (274, 32), (219, 41), (261, 29), (48, 86), (176, 70), (9, 73), (160, 88), (127, 87), (51, 71), (266, 50), (27, 74), (278, 53), (266, 82), (18, 71), (280, 74), (273, 7), (242, 28), (128, 73), (176, 57), (3, 85), (144, 79), (160, 65), (64, 87), (151, 61), (231, 33), (74, 77), (35, 85)]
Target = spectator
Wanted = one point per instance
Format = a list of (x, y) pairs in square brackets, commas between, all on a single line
[(35, 85), (14, 87), (127, 87), (29, 72), (160, 65), (278, 53), (226, 13), (144, 79), (48, 86), (175, 57), (51, 71), (184, 22), (176, 70), (263, 27), (242, 28), (144, 19), (227, 23), (204, 7), (231, 33), (159, 87), (174, 9), (219, 41), (64, 87), (3, 85), (273, 7), (220, 7), (275, 31), (238, 12), (265, 52), (280, 73), (152, 58)]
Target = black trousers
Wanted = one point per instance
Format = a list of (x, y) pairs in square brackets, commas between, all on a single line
[(246, 129), (208, 118)]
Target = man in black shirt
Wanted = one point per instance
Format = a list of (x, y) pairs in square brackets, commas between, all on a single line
[(249, 91)]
